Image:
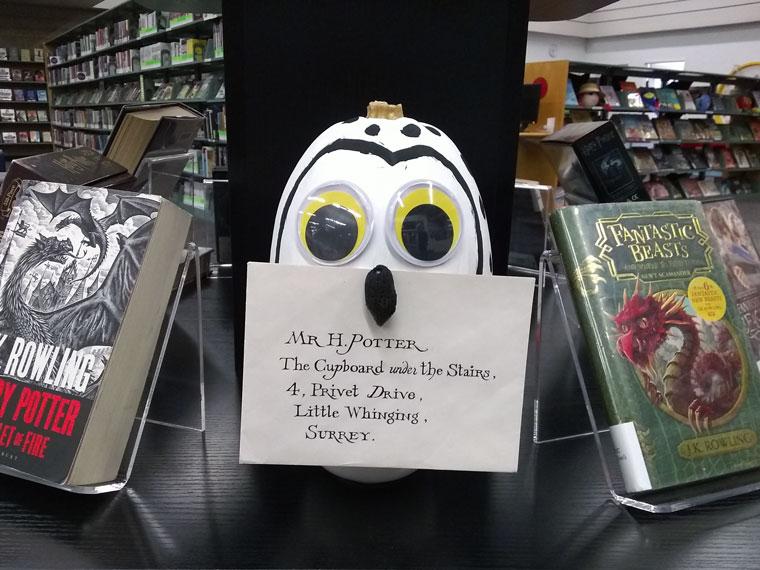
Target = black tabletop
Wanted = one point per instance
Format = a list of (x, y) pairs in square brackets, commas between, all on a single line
[(190, 504)]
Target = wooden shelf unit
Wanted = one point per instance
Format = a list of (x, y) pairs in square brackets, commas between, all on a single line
[(21, 149)]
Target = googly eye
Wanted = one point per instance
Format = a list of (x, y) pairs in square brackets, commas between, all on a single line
[(334, 223), (424, 224)]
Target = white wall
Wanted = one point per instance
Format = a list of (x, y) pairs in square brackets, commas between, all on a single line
[(715, 50), (628, 17), (542, 47)]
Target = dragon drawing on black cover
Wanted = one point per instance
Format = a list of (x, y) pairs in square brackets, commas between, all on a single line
[(701, 382), (60, 202), (94, 320)]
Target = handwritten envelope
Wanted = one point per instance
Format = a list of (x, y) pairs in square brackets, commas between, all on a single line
[(438, 386)]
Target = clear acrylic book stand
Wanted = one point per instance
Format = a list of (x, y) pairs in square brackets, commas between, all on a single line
[(144, 415), (548, 396)]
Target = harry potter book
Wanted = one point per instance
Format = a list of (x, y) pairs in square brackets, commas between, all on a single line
[(151, 130), (592, 163), (666, 339), (72, 166), (85, 278), (145, 132)]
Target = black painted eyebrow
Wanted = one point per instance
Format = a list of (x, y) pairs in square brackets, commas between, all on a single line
[(391, 158)]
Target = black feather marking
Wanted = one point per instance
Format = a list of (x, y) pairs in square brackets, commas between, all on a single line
[(411, 130), (391, 158)]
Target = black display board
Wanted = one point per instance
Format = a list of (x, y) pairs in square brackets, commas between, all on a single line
[(295, 68)]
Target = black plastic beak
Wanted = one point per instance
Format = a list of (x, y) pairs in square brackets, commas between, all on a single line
[(380, 294)]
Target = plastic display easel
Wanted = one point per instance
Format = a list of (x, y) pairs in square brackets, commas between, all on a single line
[(665, 501), (143, 413)]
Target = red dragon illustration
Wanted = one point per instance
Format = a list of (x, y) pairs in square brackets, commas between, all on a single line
[(698, 384)]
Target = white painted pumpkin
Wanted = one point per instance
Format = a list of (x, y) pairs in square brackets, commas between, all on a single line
[(382, 191)]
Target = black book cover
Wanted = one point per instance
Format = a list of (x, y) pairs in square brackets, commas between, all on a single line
[(601, 168), (127, 109), (173, 136)]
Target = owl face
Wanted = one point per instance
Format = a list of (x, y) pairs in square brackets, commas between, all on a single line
[(374, 191)]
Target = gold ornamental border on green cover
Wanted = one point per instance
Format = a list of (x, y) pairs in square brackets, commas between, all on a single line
[(604, 248)]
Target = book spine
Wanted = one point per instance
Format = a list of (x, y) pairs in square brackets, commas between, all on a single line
[(10, 190), (574, 252)]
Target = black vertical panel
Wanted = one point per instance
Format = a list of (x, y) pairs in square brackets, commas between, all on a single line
[(295, 68)]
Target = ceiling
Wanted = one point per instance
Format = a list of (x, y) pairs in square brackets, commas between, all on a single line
[(627, 17), (551, 10), (540, 10), (187, 5), (60, 3)]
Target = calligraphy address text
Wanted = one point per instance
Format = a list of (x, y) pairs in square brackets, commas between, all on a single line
[(328, 391)]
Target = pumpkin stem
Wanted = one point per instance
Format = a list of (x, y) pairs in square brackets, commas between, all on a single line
[(384, 110)]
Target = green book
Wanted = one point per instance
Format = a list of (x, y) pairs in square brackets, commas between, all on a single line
[(667, 342)]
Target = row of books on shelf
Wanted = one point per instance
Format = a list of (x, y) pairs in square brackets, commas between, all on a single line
[(90, 43), (22, 54), (154, 22), (661, 159), (196, 196), (214, 126), (685, 187), (634, 128), (123, 31), (70, 138), (18, 74), (629, 95), (116, 93), (163, 128), (205, 159), (154, 56), (104, 66), (209, 86), (23, 95), (186, 50), (23, 137), (23, 116), (188, 88), (85, 118), (217, 38)]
